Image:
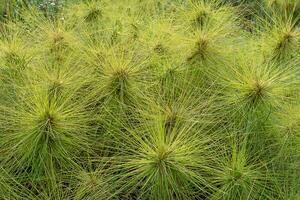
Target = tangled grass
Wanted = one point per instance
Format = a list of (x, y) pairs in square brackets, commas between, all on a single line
[(155, 100)]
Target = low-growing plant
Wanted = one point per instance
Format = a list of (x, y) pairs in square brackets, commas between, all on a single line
[(147, 99)]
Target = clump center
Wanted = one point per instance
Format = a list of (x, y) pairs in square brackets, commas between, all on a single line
[(47, 121), (94, 14), (162, 156), (257, 92)]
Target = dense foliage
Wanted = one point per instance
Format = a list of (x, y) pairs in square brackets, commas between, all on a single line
[(148, 99), (12, 8)]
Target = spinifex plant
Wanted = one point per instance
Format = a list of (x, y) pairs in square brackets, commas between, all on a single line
[(148, 99)]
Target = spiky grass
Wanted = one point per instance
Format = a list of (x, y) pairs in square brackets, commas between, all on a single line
[(150, 99), (90, 13), (10, 187), (156, 162), (208, 26), (121, 74), (14, 56), (258, 87), (204, 14), (243, 175), (52, 38), (45, 132), (287, 122), (286, 133), (159, 39), (93, 185), (280, 41), (284, 6)]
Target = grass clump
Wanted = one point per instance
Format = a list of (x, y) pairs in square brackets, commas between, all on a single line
[(45, 129), (155, 162), (241, 176), (281, 39)]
